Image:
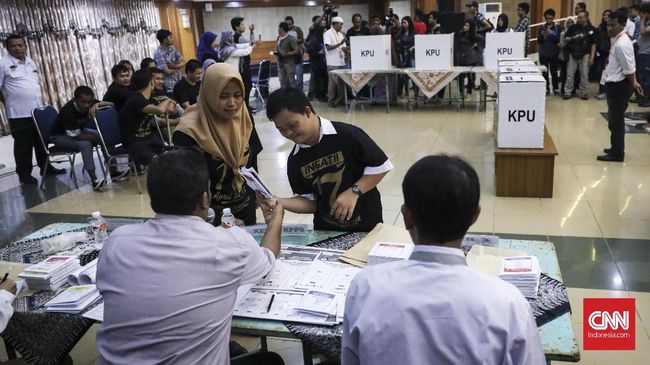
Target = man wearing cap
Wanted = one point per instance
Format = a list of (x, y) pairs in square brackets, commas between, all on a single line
[(334, 41), (482, 24)]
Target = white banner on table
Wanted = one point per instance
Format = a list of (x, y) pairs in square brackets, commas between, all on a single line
[(502, 45), (434, 52), (370, 52)]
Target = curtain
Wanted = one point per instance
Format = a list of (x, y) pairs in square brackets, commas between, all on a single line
[(76, 42)]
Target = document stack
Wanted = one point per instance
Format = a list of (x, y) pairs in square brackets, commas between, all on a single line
[(522, 272), (388, 252), (74, 299), (84, 275), (50, 273)]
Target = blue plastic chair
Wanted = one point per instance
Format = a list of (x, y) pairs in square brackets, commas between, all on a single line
[(106, 122), (44, 118), (261, 81)]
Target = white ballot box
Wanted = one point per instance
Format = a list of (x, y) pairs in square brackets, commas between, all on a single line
[(370, 52), (528, 69), (521, 103), (434, 51), (502, 45), (516, 62)]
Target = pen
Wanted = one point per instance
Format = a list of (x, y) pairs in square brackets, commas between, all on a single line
[(7, 275), (268, 309)]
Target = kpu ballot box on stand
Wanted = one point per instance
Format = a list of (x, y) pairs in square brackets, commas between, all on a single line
[(370, 53)]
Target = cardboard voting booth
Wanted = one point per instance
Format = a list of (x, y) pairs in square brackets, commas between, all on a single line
[(370, 53), (502, 45), (434, 52), (521, 104)]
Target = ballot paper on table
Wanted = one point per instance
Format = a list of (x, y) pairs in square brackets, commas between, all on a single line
[(84, 275), (489, 259), (389, 251), (522, 272), (74, 299), (255, 182), (96, 314), (50, 273), (318, 302), (357, 255)]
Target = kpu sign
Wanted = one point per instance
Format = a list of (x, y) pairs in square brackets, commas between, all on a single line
[(502, 45), (608, 323), (370, 53), (434, 52)]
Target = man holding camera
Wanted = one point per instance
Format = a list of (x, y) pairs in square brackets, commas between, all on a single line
[(334, 41), (581, 41)]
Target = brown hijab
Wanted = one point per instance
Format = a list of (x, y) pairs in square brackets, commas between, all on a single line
[(225, 139)]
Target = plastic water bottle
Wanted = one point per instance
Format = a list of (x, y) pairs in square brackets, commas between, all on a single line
[(98, 227), (227, 219)]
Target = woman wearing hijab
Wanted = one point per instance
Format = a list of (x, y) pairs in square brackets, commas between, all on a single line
[(219, 125), (208, 47)]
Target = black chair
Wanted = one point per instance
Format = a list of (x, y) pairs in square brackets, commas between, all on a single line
[(261, 81), (44, 118), (106, 121)]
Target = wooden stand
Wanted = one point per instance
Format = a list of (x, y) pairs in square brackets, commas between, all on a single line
[(524, 172)]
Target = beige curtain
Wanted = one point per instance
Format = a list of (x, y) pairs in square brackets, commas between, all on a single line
[(106, 32)]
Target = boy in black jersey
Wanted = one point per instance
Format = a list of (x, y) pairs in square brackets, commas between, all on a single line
[(333, 169)]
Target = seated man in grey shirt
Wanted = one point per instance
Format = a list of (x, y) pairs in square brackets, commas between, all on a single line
[(169, 285)]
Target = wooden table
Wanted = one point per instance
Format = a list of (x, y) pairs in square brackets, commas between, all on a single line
[(526, 172)]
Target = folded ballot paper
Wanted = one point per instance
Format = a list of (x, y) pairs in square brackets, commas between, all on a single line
[(84, 275), (74, 299), (522, 272), (389, 251), (319, 303), (50, 273), (255, 182)]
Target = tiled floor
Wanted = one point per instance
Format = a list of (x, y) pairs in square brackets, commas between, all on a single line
[(599, 217)]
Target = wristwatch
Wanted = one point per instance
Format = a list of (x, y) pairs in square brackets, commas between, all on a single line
[(357, 190)]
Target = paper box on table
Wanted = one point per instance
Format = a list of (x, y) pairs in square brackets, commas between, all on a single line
[(370, 53), (529, 69), (516, 62), (521, 103), (502, 45), (434, 51)]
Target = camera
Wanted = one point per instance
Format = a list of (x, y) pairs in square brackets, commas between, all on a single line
[(328, 9)]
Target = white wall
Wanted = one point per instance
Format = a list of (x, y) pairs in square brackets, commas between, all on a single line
[(266, 20)]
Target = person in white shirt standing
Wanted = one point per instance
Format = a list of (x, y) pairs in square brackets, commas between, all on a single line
[(620, 83), (334, 41), (21, 93), (433, 308)]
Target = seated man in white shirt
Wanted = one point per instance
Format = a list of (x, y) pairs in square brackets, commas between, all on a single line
[(7, 296), (432, 308), (169, 285)]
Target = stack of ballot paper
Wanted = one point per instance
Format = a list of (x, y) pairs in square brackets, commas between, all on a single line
[(74, 299), (522, 272), (319, 303), (255, 182), (388, 252), (50, 273), (84, 275)]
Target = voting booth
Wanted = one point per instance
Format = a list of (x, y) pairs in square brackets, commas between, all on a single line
[(434, 52), (521, 107), (370, 53), (502, 45)]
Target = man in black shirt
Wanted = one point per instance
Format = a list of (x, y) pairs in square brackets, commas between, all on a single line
[(118, 92), (239, 28), (137, 117), (187, 90), (581, 42), (357, 27), (333, 169), (317, 63), (68, 130)]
